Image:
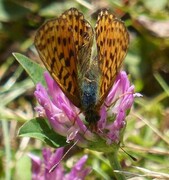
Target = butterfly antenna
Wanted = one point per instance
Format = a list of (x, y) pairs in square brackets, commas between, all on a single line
[(54, 166), (132, 157), (108, 106)]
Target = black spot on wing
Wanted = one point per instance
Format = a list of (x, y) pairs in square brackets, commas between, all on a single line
[(61, 56)]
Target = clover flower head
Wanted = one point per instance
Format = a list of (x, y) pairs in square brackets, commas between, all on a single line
[(66, 120), (41, 167)]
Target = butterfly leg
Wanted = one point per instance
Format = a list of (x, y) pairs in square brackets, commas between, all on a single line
[(121, 96)]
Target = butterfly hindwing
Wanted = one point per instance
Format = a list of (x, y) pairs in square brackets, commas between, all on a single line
[(83, 35)]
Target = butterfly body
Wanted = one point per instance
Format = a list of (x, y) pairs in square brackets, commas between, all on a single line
[(89, 93), (65, 45), (90, 96)]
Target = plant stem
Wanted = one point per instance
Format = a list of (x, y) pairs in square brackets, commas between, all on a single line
[(7, 149), (115, 165)]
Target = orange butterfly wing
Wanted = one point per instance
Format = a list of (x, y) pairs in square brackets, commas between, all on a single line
[(61, 44), (112, 41)]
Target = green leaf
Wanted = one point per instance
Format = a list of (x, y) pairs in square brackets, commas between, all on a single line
[(35, 71), (40, 129)]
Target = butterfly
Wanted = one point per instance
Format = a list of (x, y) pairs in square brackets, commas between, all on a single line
[(64, 45)]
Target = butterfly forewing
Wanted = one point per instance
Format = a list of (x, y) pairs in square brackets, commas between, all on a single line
[(112, 43), (60, 43)]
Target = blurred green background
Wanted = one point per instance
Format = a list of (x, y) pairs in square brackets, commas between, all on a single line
[(147, 63)]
